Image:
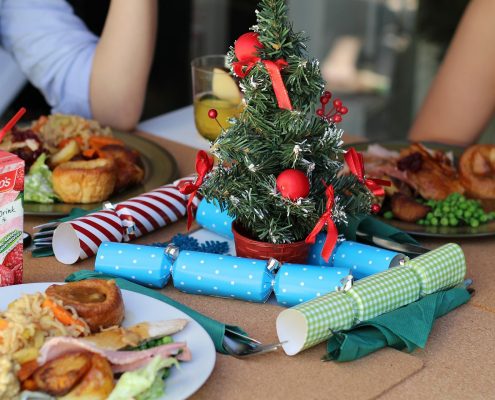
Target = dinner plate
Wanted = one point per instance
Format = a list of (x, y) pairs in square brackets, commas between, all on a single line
[(160, 168), (182, 382), (487, 229)]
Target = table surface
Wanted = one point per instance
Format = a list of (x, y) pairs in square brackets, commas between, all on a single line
[(457, 363)]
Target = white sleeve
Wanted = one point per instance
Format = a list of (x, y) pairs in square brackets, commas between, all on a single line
[(54, 49)]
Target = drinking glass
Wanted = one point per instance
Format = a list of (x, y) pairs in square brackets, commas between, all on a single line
[(214, 87)]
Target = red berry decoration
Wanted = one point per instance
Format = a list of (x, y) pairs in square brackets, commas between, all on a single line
[(320, 112), (337, 118), (337, 103), (375, 208), (343, 110), (327, 94), (293, 184), (212, 113), (324, 99)]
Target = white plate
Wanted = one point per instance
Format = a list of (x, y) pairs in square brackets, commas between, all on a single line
[(138, 308)]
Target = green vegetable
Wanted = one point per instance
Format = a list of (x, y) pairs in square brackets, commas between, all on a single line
[(38, 183), (388, 214), (142, 383), (153, 343), (456, 210)]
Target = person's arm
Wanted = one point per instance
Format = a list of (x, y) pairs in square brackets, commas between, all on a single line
[(122, 62), (461, 100)]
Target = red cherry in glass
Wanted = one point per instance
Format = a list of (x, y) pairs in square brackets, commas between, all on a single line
[(337, 118), (327, 94), (293, 184), (343, 110), (375, 208), (324, 99), (212, 113), (337, 103), (320, 112)]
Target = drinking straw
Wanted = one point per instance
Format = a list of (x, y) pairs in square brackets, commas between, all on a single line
[(12, 122)]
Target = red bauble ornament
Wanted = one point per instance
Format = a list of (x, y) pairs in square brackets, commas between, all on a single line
[(246, 47), (375, 208), (293, 184), (212, 113)]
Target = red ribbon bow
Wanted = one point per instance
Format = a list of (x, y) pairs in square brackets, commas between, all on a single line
[(356, 164), (326, 218), (246, 49), (204, 164)]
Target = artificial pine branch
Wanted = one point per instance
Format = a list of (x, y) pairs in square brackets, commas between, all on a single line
[(266, 140)]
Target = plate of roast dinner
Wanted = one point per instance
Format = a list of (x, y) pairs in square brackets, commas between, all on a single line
[(436, 190), (71, 162), (92, 340)]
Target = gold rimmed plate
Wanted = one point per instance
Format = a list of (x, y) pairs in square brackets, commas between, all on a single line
[(487, 229), (160, 168)]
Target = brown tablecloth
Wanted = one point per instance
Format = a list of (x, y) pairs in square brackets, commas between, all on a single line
[(458, 362)]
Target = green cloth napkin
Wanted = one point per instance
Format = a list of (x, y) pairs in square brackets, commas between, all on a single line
[(74, 213), (373, 226), (215, 329), (405, 328)]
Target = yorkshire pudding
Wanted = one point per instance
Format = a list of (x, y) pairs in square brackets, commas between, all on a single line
[(477, 170), (97, 301), (85, 182)]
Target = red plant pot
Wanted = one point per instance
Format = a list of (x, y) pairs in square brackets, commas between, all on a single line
[(296, 252)]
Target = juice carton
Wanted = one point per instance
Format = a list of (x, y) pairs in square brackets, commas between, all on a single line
[(11, 218)]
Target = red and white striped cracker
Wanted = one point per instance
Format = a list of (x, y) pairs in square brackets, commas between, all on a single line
[(80, 238)]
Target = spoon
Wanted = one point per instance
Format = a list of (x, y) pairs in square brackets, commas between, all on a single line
[(240, 349)]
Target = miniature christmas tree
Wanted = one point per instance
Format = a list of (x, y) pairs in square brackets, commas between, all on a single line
[(278, 164)]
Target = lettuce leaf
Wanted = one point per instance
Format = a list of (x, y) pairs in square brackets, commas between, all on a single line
[(38, 186), (143, 382)]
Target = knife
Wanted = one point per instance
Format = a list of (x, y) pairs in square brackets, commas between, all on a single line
[(407, 248)]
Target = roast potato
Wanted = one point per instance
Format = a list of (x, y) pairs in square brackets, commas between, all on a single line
[(58, 376), (97, 384)]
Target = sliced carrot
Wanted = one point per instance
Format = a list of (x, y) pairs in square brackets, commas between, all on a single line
[(61, 313), (100, 141), (90, 153), (27, 369), (3, 324)]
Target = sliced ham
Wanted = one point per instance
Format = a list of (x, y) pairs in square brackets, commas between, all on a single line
[(121, 360)]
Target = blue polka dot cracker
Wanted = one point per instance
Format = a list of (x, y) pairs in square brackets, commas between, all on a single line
[(211, 217), (295, 283), (363, 260), (223, 276), (147, 265)]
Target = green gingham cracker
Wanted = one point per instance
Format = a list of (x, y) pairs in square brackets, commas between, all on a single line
[(332, 312), (383, 292), (440, 269)]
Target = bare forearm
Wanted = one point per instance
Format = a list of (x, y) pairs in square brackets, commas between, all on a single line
[(461, 100), (122, 62)]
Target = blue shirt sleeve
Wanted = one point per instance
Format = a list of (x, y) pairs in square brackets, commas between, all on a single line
[(53, 48)]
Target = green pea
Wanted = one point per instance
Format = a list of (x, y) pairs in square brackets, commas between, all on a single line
[(429, 216), (388, 214), (453, 221), (468, 214), (444, 221), (474, 223), (434, 221), (437, 213), (483, 218)]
